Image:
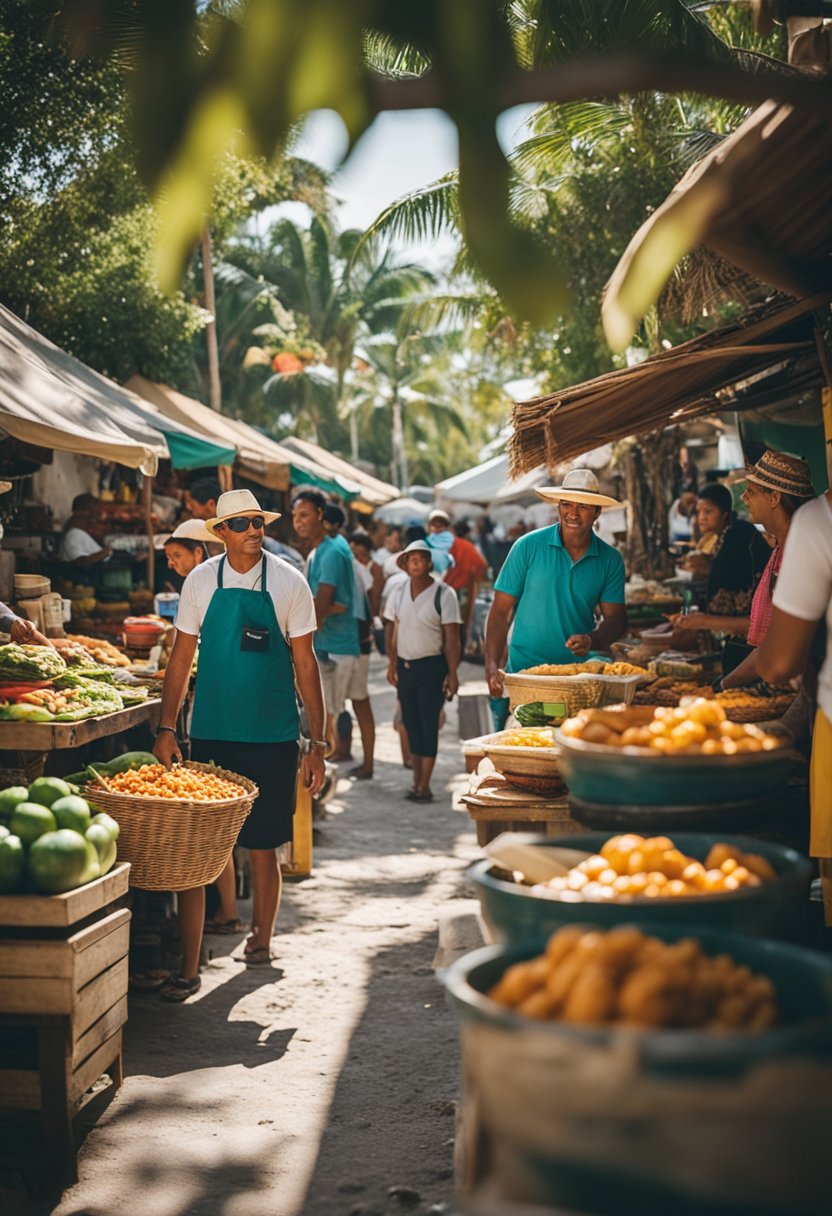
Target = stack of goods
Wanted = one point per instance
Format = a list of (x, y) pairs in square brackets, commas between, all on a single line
[(740, 704), (37, 685), (696, 727), (50, 840), (626, 978), (527, 758), (633, 866)]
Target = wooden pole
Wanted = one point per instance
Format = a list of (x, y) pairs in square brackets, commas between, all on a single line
[(147, 501), (214, 386)]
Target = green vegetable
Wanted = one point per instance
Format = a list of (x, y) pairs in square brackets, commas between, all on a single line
[(126, 762), (21, 712), (541, 713), (30, 662), (47, 790), (105, 846), (72, 812), (12, 858), (31, 820), (60, 861), (104, 820), (11, 798), (77, 677)]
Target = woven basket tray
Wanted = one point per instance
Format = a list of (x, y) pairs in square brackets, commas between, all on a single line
[(551, 784), (172, 844), (527, 761), (763, 711), (573, 691)]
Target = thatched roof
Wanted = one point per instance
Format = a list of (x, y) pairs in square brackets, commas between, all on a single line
[(752, 359)]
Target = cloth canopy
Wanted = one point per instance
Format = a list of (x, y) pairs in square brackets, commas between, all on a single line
[(488, 483), (50, 399), (354, 481), (738, 366), (403, 512)]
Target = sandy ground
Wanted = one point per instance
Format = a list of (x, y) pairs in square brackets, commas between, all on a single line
[(327, 1084)]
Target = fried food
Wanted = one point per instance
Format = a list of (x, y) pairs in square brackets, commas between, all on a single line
[(531, 737), (592, 667), (697, 726), (651, 867), (188, 784), (625, 978)]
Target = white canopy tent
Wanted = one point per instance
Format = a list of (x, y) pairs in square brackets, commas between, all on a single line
[(489, 483), (52, 400)]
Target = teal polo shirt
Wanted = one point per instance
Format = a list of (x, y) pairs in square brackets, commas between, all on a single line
[(556, 597), (332, 563)]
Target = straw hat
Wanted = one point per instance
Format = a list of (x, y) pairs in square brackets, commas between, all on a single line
[(779, 471), (415, 546), (579, 485), (238, 502), (192, 529)]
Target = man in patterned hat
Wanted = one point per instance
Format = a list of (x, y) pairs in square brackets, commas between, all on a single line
[(776, 486)]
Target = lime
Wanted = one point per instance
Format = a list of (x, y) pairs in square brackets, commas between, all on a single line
[(10, 798), (31, 820), (105, 846), (12, 857), (72, 812), (108, 822), (58, 861), (47, 790)]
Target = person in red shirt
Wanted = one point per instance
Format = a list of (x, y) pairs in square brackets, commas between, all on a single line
[(468, 570)]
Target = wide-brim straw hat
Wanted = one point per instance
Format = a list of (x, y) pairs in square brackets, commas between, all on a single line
[(192, 529), (579, 485), (238, 502), (780, 471), (415, 546)]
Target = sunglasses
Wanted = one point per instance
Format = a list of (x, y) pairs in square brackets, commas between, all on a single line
[(242, 523)]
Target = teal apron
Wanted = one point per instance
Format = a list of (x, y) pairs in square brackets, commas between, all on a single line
[(245, 684)]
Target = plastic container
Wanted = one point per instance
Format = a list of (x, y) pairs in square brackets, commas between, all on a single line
[(166, 604), (143, 631), (615, 776), (616, 1122), (778, 908)]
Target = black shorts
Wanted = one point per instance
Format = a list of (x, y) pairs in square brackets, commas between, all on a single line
[(422, 698), (274, 767)]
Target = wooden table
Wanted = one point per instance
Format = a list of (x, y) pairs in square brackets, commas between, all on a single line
[(63, 1002), (495, 806)]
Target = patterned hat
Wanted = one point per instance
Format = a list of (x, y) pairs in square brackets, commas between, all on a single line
[(780, 471)]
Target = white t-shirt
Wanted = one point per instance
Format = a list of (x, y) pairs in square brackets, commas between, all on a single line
[(420, 634), (77, 543), (804, 585), (292, 599)]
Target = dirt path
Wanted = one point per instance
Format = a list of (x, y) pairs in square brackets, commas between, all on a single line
[(320, 1084)]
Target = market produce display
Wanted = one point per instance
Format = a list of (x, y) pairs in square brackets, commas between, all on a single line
[(625, 978), (696, 727), (740, 704), (96, 649), (51, 839), (527, 738), (38, 685), (156, 781), (592, 667), (121, 764), (633, 866)]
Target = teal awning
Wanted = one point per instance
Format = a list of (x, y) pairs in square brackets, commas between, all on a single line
[(303, 477), (187, 451)]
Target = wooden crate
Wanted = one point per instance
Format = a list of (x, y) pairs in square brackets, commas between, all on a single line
[(63, 1002)]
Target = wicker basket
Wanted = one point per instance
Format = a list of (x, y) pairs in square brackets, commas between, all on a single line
[(575, 692), (173, 844), (525, 761), (552, 785), (763, 711)]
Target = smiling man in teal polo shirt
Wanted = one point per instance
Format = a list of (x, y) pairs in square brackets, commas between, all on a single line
[(556, 583)]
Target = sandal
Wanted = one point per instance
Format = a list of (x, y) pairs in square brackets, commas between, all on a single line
[(225, 927), (148, 981), (261, 956), (178, 988), (416, 796)]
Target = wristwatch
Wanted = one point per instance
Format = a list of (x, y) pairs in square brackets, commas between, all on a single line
[(162, 729)]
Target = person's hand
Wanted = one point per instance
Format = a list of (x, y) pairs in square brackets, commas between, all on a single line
[(691, 622), (23, 632), (450, 686), (313, 770), (580, 644), (166, 749), (495, 681), (392, 675)]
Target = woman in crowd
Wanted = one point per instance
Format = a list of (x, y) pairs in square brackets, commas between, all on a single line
[(803, 598), (424, 657), (729, 561)]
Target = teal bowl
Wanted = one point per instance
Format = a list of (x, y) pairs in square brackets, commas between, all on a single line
[(778, 908), (615, 1121), (616, 776)]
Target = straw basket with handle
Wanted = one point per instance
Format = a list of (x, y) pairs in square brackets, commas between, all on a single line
[(574, 692), (174, 844)]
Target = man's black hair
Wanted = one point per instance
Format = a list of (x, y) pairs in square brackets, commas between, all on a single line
[(363, 539), (314, 496), (204, 489), (84, 502), (334, 515), (415, 532)]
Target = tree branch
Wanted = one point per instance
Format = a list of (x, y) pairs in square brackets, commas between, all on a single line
[(623, 71)]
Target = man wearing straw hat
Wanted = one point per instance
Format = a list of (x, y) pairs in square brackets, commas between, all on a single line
[(254, 617), (554, 583)]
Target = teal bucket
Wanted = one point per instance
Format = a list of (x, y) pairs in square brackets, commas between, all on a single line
[(613, 1121), (778, 908)]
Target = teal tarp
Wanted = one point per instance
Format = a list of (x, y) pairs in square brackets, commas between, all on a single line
[(189, 452), (302, 477)]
